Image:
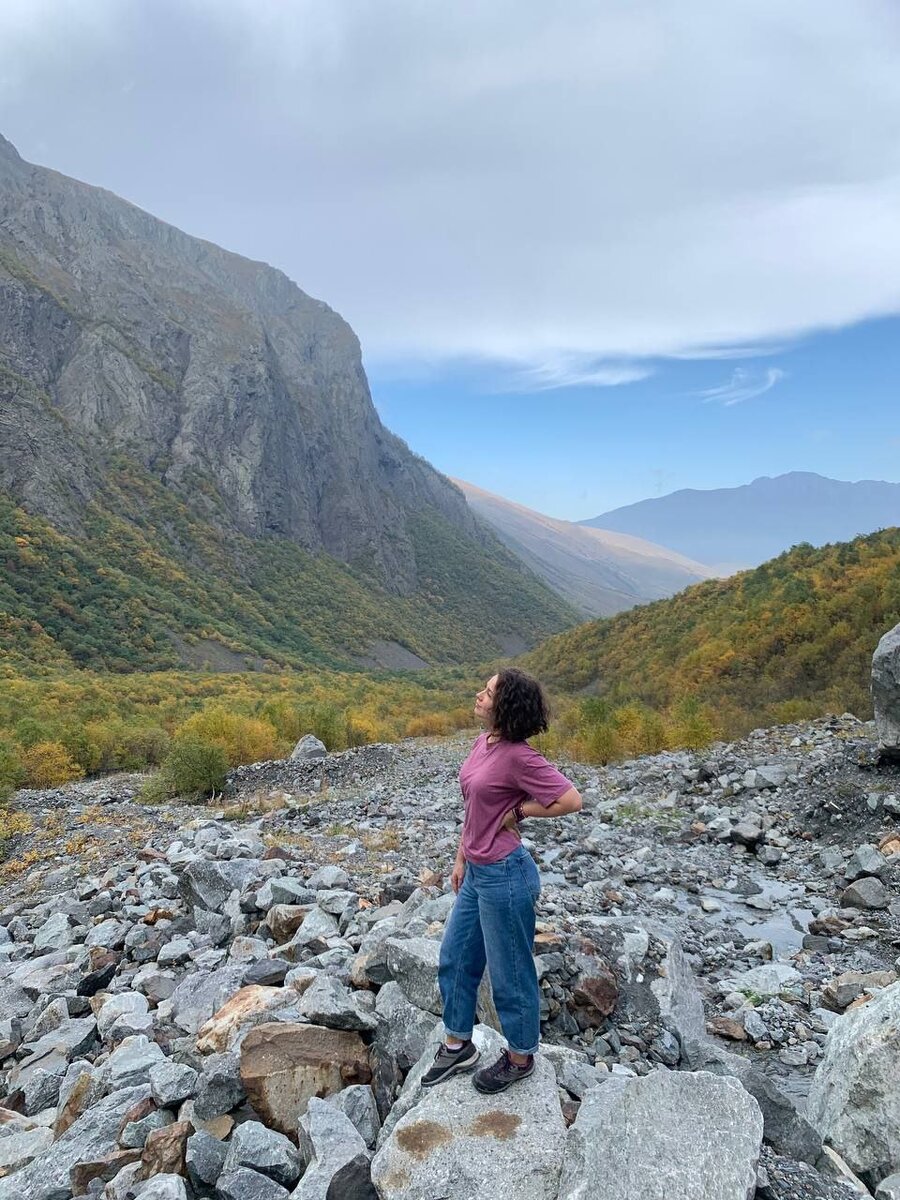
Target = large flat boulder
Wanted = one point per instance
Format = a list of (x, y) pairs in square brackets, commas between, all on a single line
[(453, 1141), (284, 1063), (669, 1135)]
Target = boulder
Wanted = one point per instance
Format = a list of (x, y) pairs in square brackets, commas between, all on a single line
[(202, 993), (413, 963), (283, 1064), (207, 884), (249, 1006), (204, 1159), (253, 1145), (308, 749), (89, 1138), (454, 1141), (886, 692), (245, 1184), (328, 1144), (327, 1002), (164, 1150), (854, 1101), (670, 1135)]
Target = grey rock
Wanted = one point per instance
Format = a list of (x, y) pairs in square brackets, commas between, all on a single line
[(784, 1128), (854, 1101), (328, 1002), (117, 1006), (207, 884), (162, 1187), (865, 860), (357, 1103), (624, 1140), (264, 1150), (770, 979), (328, 876), (413, 964), (452, 1140), (328, 1142), (312, 935), (171, 1082), (92, 1136), (19, 1149), (888, 1189), (867, 893), (245, 1184), (886, 690), (135, 1133), (54, 934), (200, 994), (130, 1063), (219, 1088), (309, 747), (205, 1158)]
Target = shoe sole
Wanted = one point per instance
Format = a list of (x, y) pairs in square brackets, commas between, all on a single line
[(491, 1091), (456, 1069)]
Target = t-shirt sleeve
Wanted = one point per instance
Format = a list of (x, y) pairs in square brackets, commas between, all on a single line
[(538, 778)]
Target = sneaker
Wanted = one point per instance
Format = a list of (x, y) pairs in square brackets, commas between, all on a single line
[(501, 1074), (448, 1062)]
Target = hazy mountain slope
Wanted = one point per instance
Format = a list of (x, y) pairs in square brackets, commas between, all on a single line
[(220, 382), (598, 571), (743, 526), (800, 628)]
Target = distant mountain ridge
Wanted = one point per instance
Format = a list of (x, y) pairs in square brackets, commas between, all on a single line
[(732, 528), (151, 378), (598, 571)]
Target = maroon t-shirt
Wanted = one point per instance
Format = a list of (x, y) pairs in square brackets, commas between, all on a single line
[(494, 778)]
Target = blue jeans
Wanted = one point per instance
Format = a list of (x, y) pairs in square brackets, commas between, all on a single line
[(492, 923)]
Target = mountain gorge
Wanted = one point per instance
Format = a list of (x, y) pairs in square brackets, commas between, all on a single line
[(598, 571), (175, 418)]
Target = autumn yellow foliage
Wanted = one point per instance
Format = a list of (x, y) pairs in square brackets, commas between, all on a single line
[(49, 765)]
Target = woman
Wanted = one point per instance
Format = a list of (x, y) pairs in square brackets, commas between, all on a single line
[(497, 884)]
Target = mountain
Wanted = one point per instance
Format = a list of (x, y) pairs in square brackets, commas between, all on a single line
[(597, 571), (159, 392), (730, 528), (784, 641)]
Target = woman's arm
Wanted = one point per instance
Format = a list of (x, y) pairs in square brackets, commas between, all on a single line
[(568, 802)]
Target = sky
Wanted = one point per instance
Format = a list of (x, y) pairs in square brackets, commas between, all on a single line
[(594, 252)]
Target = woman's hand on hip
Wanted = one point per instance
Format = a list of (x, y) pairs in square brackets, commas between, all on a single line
[(510, 823)]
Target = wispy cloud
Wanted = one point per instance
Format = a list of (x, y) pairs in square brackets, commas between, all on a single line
[(723, 352), (743, 385), (567, 371)]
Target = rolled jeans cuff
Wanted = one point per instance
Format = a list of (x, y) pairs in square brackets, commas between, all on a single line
[(458, 1037)]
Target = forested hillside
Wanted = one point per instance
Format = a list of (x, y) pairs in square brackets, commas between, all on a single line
[(788, 639)]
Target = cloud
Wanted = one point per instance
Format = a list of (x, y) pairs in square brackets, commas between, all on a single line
[(743, 385), (591, 182), (574, 371)]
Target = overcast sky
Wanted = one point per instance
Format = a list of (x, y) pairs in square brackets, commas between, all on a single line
[(576, 219)]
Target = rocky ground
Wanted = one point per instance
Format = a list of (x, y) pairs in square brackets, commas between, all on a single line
[(240, 999)]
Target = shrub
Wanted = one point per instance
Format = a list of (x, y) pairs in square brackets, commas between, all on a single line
[(693, 726), (11, 824), (242, 739), (192, 769), (12, 773), (48, 765)]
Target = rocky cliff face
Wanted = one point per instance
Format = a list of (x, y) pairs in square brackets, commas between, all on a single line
[(218, 374)]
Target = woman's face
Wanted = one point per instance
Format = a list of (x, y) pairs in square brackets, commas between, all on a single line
[(484, 701)]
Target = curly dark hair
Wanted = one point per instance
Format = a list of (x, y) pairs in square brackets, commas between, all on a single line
[(520, 707)]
